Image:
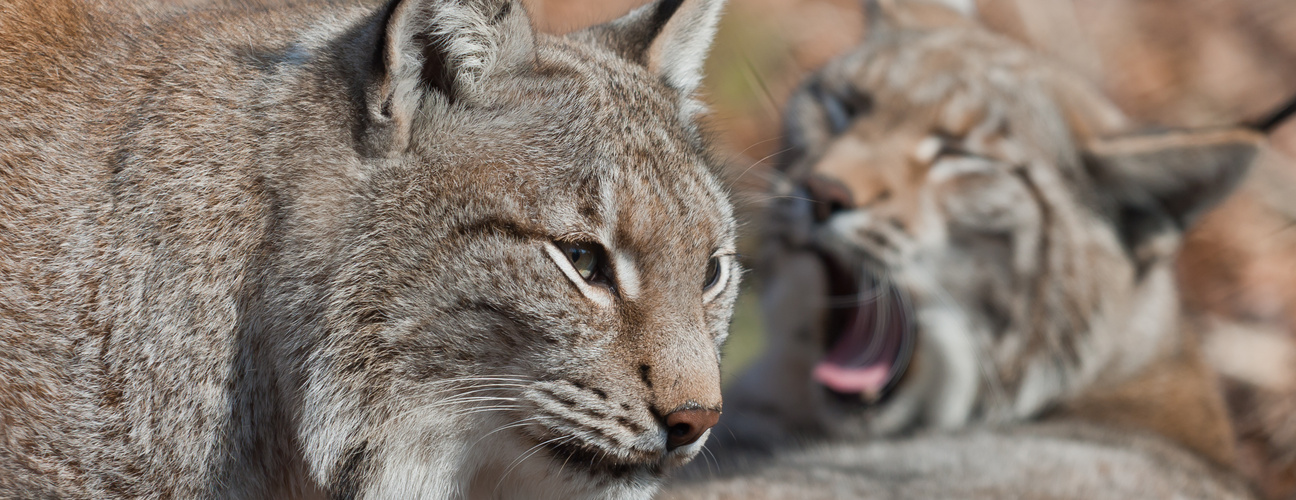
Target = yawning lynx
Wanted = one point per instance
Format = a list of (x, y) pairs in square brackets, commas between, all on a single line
[(972, 235), (408, 250)]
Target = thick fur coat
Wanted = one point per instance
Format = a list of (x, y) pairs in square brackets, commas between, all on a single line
[(332, 249)]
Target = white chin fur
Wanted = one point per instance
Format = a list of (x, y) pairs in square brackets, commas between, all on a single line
[(481, 464)]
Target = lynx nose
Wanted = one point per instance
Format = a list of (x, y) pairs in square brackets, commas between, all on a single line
[(685, 426), (829, 196)]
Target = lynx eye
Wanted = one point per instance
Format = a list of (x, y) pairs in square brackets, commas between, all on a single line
[(583, 261), (718, 273), (839, 114), (588, 260), (841, 110), (956, 151), (587, 266), (712, 273)]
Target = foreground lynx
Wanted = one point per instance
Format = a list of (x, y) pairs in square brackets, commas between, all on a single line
[(397, 252), (980, 240)]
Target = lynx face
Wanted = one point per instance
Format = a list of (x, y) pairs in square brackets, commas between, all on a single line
[(576, 298), (411, 252), (982, 248), (571, 272)]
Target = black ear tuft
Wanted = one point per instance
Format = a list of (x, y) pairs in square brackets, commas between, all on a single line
[(454, 49), (670, 37), (662, 12)]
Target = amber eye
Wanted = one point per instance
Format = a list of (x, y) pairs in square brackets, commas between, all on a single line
[(712, 273)]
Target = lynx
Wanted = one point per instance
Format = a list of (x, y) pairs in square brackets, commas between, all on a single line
[(970, 236), (357, 251)]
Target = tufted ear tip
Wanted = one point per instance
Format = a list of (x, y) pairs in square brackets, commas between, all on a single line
[(447, 49), (670, 37), (680, 49)]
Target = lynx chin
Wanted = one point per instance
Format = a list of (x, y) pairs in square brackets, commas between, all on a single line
[(410, 250)]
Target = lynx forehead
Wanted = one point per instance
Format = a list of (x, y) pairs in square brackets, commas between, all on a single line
[(320, 250)]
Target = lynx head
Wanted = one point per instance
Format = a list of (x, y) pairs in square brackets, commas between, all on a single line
[(544, 273), (986, 238)]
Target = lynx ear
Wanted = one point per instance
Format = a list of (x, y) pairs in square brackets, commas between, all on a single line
[(448, 48), (1169, 178), (670, 37)]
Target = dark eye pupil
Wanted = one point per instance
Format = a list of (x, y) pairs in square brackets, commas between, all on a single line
[(842, 109), (839, 114), (712, 273), (590, 262), (584, 260)]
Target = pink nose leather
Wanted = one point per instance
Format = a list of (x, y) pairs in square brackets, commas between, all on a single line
[(684, 427)]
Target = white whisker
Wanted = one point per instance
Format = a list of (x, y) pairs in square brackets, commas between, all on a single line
[(525, 455)]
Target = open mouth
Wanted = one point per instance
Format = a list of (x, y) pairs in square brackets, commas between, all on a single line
[(870, 336)]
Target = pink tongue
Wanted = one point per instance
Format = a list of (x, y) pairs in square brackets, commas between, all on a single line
[(854, 364), (867, 380)]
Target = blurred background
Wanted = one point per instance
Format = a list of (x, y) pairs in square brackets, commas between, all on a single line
[(1166, 63)]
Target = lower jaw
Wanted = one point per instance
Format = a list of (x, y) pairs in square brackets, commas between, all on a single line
[(596, 463)]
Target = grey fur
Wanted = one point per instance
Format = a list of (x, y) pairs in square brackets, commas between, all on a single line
[(260, 253), (1059, 462)]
